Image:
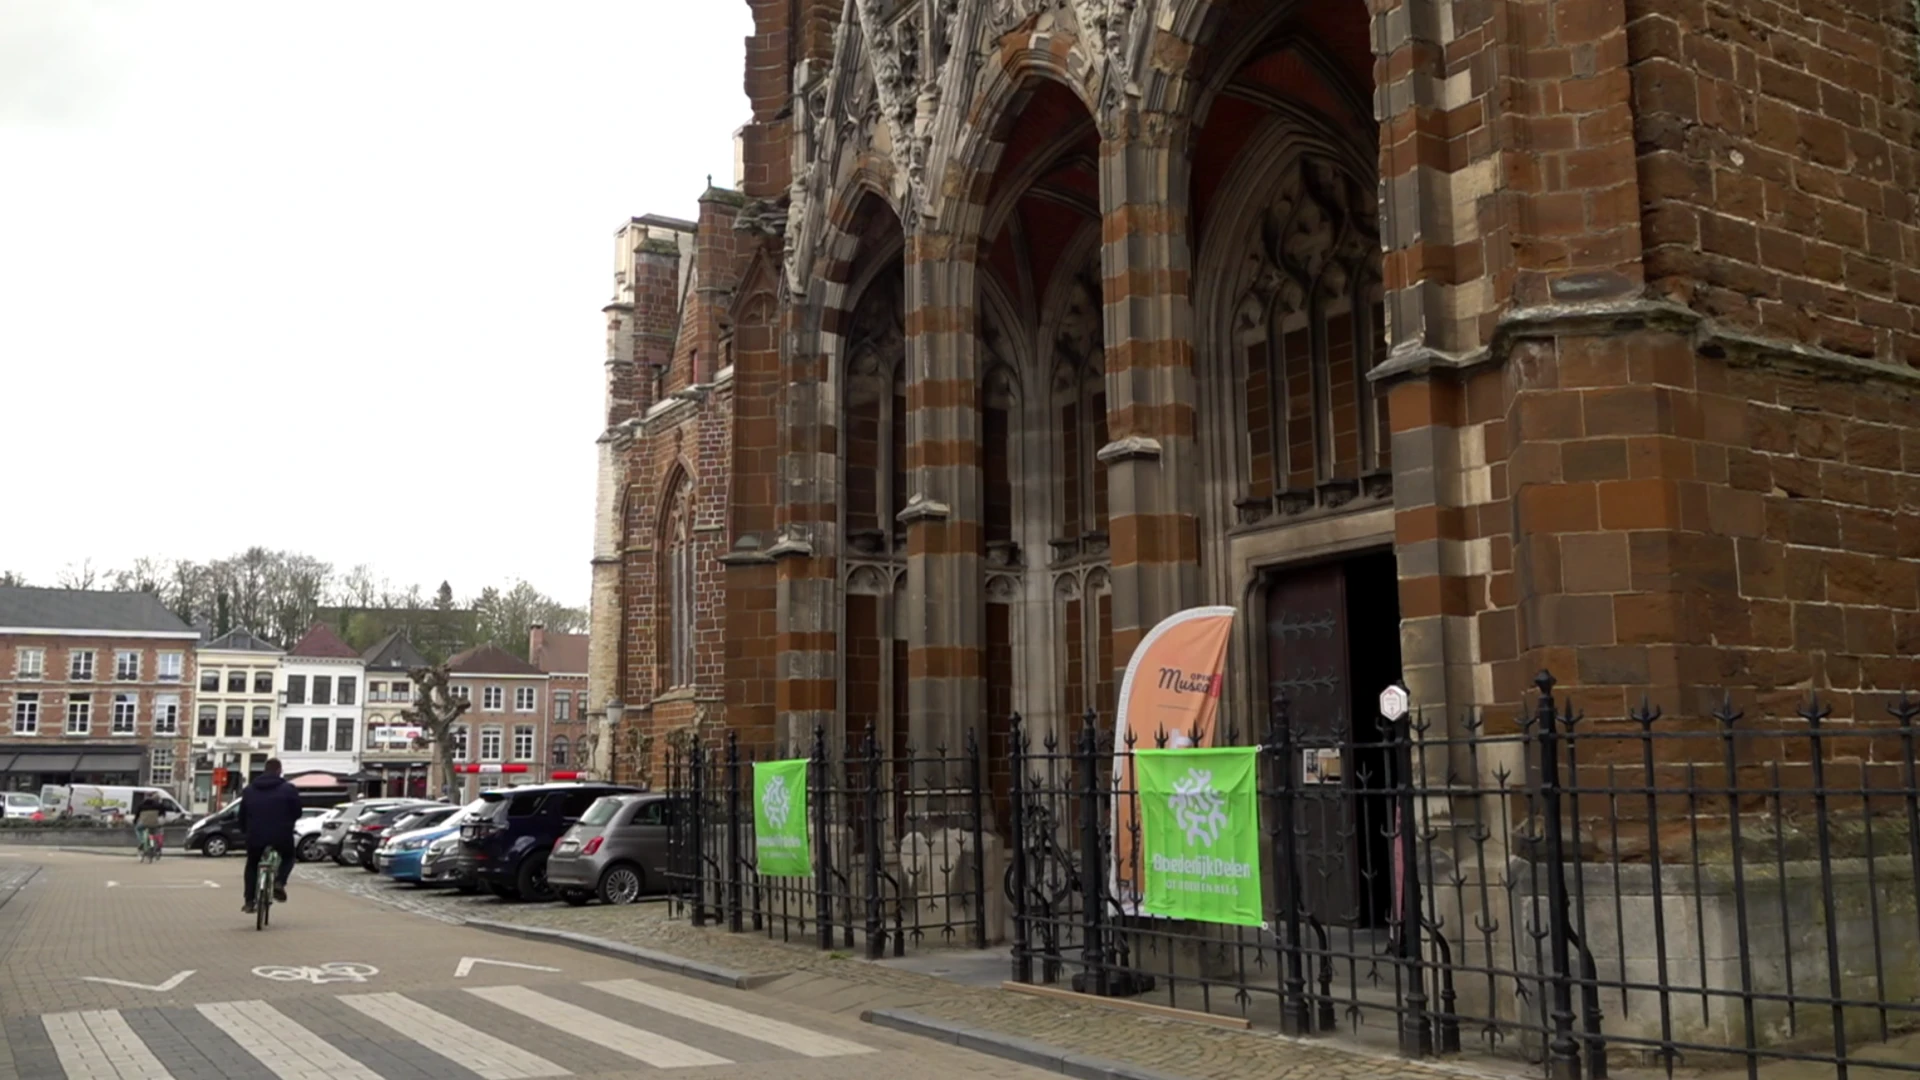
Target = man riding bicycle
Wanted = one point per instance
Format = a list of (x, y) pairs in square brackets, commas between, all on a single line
[(146, 822), (268, 809)]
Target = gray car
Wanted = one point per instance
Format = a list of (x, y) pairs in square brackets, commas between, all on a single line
[(617, 851)]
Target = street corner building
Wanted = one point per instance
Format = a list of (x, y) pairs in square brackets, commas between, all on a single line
[(94, 686), (1449, 343), (1447, 348)]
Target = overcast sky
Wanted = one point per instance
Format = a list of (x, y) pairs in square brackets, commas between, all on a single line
[(246, 247)]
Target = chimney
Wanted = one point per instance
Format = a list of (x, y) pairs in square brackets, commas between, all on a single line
[(536, 643)]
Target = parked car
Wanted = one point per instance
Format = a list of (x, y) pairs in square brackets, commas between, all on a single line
[(218, 832), (221, 832), (22, 804), (333, 828), (617, 851), (512, 834), (401, 854), (447, 861), (306, 833), (364, 836)]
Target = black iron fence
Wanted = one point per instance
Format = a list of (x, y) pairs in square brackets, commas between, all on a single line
[(1730, 893), (896, 844)]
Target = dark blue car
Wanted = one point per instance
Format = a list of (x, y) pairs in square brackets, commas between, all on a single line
[(514, 830)]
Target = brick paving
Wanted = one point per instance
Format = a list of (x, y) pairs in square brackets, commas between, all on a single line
[(838, 983), (374, 995)]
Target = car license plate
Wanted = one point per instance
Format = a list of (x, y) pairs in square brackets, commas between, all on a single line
[(569, 847)]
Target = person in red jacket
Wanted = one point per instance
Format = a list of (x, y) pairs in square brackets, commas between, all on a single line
[(268, 809)]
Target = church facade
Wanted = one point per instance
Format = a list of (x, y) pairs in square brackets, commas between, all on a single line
[(1447, 341)]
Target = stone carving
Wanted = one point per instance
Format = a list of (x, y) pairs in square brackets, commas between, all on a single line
[(1002, 589), (1319, 236)]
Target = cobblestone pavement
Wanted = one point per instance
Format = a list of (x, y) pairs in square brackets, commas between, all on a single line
[(114, 969), (836, 982)]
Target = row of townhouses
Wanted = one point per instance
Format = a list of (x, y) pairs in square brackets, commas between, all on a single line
[(112, 688)]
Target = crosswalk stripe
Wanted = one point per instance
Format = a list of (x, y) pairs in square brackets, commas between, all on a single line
[(466, 1046), (727, 1018), (98, 1044), (287, 1050), (641, 1045)]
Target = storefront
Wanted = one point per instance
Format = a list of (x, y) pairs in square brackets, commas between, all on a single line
[(32, 768)]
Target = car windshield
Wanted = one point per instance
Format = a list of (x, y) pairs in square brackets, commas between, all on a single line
[(601, 811)]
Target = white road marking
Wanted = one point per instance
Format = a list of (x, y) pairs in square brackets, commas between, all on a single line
[(98, 1044), (656, 1050), (287, 1050), (161, 988), (467, 964), (729, 1019), (468, 1047)]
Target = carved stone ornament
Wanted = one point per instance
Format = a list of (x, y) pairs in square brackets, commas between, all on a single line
[(1319, 236)]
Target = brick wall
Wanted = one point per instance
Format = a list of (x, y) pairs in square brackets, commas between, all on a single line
[(1780, 165), (56, 690), (690, 443)]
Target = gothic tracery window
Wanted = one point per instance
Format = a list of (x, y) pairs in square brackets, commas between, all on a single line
[(1080, 414), (1311, 325)]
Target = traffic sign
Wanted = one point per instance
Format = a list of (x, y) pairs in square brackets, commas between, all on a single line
[(1394, 701)]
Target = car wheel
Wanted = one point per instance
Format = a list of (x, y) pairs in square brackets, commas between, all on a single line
[(309, 850), (504, 892), (621, 884), (214, 847), (576, 897), (533, 879), (340, 858)]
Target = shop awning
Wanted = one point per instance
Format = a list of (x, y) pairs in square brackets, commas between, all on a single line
[(6, 762), (121, 761), (39, 763)]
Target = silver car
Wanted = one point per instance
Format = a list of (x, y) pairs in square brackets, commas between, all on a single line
[(617, 851)]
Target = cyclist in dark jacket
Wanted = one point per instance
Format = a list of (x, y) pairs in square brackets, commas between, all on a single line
[(268, 809)]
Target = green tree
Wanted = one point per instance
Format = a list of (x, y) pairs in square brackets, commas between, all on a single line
[(504, 618)]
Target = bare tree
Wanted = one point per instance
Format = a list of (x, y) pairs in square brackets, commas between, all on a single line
[(145, 575), (78, 577), (436, 710), (12, 580)]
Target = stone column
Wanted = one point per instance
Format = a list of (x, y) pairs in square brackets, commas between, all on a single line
[(1153, 462), (946, 632)]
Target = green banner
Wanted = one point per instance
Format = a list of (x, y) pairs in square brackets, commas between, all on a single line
[(1200, 832), (780, 818)]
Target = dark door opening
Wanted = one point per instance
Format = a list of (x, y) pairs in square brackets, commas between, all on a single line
[(1333, 643)]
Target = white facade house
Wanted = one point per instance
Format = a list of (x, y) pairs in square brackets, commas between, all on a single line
[(322, 687), (236, 722)]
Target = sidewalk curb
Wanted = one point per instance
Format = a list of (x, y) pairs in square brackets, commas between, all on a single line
[(738, 980), (1039, 1055)]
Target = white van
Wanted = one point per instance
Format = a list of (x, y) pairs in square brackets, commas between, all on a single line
[(102, 800)]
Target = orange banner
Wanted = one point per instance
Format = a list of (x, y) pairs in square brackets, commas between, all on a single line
[(1169, 699)]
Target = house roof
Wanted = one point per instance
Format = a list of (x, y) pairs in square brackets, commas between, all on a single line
[(393, 653), (489, 660), (563, 654), (23, 608), (321, 643), (240, 641)]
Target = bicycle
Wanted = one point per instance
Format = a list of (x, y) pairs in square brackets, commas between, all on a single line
[(264, 882), (150, 845)]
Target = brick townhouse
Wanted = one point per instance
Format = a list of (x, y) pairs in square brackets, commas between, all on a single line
[(1446, 345), (563, 657), (96, 688), (501, 739)]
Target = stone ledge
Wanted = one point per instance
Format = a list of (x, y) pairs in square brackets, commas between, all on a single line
[(1710, 338), (1039, 1055), (693, 969)]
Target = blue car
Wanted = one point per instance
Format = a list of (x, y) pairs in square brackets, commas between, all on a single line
[(398, 856)]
